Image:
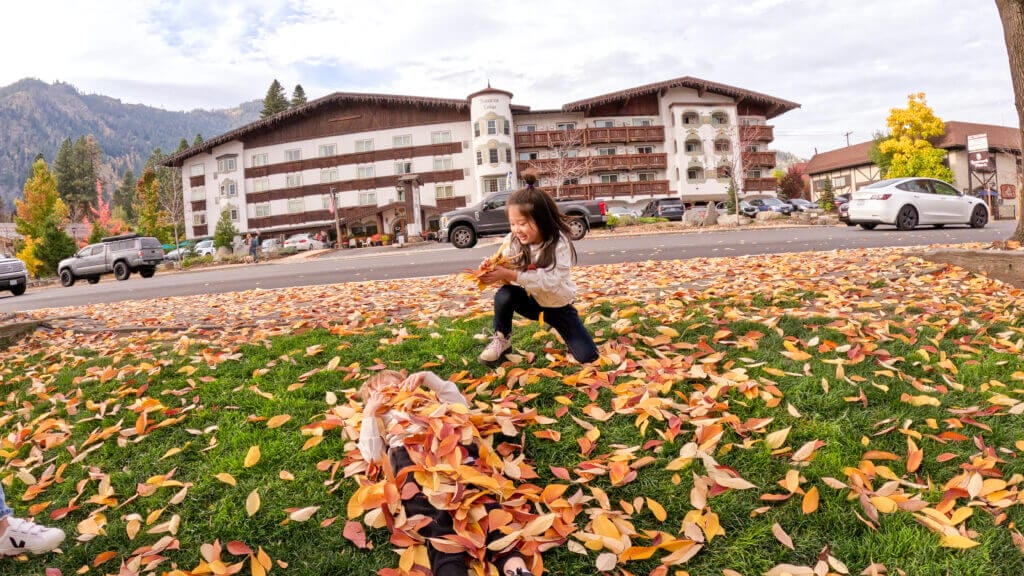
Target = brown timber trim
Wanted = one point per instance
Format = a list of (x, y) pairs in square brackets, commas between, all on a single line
[(355, 158), (757, 133), (348, 185), (194, 181), (657, 161), (198, 205), (759, 159), (601, 191), (446, 204), (760, 184), (591, 136), (198, 231)]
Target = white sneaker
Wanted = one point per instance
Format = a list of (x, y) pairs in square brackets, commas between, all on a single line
[(24, 536), (495, 350)]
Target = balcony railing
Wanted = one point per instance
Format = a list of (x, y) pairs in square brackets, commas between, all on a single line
[(757, 133), (597, 163), (759, 185), (590, 136), (613, 189), (759, 159)]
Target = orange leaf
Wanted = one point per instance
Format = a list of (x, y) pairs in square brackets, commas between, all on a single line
[(252, 456), (810, 503), (103, 557), (278, 421)]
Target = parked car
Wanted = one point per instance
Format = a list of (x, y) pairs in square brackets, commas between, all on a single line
[(803, 205), (621, 211), (13, 275), (178, 254), (120, 255), (907, 203), (840, 199), (671, 208), (205, 248), (463, 226), (303, 242), (271, 245), (744, 208), (771, 204), (844, 213)]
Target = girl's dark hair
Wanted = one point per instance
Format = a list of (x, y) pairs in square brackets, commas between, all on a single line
[(553, 226)]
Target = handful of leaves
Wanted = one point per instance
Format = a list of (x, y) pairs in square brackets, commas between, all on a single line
[(496, 260)]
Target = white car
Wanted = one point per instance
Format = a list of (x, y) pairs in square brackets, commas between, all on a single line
[(271, 246), (909, 202), (205, 248), (303, 242)]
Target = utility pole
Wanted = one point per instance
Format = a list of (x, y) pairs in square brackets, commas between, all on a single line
[(847, 134), (337, 222)]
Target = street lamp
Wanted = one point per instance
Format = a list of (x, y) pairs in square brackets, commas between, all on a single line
[(336, 203)]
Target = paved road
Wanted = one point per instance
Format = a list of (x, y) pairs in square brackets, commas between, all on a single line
[(438, 259)]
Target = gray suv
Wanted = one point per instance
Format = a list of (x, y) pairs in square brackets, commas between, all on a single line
[(120, 255), (13, 275)]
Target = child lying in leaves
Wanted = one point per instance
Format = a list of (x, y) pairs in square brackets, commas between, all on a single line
[(445, 488)]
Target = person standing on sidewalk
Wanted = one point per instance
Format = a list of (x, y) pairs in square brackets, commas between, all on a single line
[(254, 248), (19, 536)]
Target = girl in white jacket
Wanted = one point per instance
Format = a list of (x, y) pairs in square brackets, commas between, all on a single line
[(539, 280)]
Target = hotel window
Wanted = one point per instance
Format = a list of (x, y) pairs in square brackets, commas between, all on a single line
[(570, 182), (527, 156), (693, 147), (199, 193), (508, 126), (642, 122), (442, 164), (508, 155), (609, 178), (494, 184), (325, 150), (261, 185), (492, 155), (606, 151), (565, 126), (196, 170), (646, 176), (440, 137), (444, 191), (328, 175), (690, 119), (232, 212), (199, 218), (724, 171), (401, 141), (838, 181), (364, 172), (719, 119), (296, 205), (258, 160), (604, 124), (476, 128), (261, 210), (368, 198), (325, 202), (293, 155), (404, 167), (756, 173), (226, 164), (293, 180), (526, 128), (693, 174), (228, 188), (722, 146), (364, 145), (569, 153), (479, 157), (492, 126), (645, 149)]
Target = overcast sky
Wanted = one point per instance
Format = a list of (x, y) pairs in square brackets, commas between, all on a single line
[(845, 61)]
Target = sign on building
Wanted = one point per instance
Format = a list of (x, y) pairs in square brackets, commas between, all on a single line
[(981, 161), (977, 143)]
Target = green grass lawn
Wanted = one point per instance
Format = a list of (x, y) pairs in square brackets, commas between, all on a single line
[(721, 371)]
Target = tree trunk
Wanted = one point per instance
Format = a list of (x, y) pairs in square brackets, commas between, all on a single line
[(1011, 12)]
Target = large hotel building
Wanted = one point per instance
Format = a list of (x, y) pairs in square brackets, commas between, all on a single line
[(393, 164)]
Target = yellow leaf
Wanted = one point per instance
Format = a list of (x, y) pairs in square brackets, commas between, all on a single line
[(777, 439), (956, 541), (170, 453), (657, 509), (884, 504), (810, 503), (252, 503), (286, 475), (278, 421), (606, 562), (252, 457), (303, 514), (187, 370), (226, 478)]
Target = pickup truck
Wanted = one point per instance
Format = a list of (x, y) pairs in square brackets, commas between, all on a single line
[(121, 255), (462, 227), (13, 275)]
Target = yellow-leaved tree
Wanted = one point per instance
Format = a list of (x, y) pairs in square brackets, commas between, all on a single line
[(908, 150), (42, 206)]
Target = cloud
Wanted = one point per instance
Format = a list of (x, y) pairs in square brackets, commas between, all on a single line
[(846, 61)]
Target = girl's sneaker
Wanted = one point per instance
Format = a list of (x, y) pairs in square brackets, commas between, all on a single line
[(24, 536), (495, 350)]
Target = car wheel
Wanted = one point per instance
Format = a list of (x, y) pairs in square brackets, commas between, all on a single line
[(67, 278), (906, 219), (577, 228), (18, 289), (463, 237), (868, 225), (848, 223), (979, 217), (147, 271), (121, 271), (93, 279)]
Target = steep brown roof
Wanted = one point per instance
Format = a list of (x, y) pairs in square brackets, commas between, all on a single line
[(775, 105), (1002, 138), (271, 122)]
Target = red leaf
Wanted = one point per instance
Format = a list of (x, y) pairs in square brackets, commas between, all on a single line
[(355, 533), (560, 472), (238, 548), (53, 572)]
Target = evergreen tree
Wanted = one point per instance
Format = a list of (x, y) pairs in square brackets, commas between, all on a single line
[(147, 207), (275, 101), (225, 232), (183, 145), (124, 198), (298, 96), (76, 167), (198, 140), (827, 198), (730, 197), (54, 246)]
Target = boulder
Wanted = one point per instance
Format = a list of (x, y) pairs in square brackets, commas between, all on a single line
[(711, 216), (769, 215), (692, 218)]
